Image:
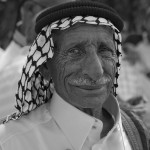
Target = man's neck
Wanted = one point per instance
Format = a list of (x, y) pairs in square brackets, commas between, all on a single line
[(96, 112), (102, 115)]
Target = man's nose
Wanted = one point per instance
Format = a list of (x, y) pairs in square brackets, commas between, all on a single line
[(93, 66)]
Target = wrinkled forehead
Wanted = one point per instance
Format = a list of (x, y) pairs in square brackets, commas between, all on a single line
[(80, 28)]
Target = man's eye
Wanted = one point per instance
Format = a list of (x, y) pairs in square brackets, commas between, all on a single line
[(74, 51), (106, 51)]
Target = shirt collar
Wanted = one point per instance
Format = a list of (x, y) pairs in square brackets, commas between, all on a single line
[(74, 123)]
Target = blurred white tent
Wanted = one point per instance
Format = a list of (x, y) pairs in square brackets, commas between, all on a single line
[(11, 63), (1, 52)]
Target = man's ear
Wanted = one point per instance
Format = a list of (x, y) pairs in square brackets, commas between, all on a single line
[(45, 71)]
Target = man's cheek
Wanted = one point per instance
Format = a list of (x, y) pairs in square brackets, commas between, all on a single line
[(110, 67), (113, 68), (61, 73)]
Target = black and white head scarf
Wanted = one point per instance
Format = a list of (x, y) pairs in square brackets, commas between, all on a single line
[(33, 89)]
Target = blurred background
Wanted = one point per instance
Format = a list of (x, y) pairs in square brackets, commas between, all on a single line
[(17, 20)]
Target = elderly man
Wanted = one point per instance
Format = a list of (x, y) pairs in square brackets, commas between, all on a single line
[(66, 94)]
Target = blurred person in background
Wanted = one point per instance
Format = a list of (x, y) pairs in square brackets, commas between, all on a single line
[(128, 82), (144, 51), (145, 46), (134, 85), (14, 56)]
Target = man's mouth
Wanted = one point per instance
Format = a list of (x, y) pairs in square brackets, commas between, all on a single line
[(88, 84), (90, 87)]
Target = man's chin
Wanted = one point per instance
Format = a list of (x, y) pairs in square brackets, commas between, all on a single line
[(88, 98), (88, 101)]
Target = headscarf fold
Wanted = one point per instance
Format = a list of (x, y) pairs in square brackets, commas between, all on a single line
[(33, 89)]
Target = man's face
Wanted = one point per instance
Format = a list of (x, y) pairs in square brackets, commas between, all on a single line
[(83, 66)]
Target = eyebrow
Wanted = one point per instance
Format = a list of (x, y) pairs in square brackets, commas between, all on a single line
[(107, 45), (77, 44)]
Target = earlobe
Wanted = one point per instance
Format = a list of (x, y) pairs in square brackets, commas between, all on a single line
[(45, 71)]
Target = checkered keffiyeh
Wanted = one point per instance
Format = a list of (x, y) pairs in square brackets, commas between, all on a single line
[(33, 89)]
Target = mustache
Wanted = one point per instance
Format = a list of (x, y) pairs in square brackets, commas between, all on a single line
[(89, 82)]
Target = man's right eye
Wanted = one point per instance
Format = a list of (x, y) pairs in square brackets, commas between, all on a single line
[(75, 51)]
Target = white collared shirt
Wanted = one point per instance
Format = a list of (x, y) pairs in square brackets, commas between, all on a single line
[(57, 125)]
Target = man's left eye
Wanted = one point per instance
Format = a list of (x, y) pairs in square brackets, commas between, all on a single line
[(106, 51)]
